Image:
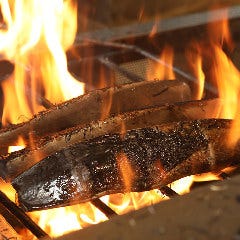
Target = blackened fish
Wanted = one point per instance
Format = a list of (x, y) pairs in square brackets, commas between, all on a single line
[(151, 157)]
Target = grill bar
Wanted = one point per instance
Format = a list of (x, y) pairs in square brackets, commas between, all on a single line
[(168, 192), (209, 212), (98, 203), (22, 216)]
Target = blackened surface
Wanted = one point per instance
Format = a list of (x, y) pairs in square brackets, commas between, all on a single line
[(89, 169), (171, 148)]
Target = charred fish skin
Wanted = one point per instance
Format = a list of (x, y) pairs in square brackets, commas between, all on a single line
[(91, 169)]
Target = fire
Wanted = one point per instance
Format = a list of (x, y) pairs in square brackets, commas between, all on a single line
[(229, 85), (123, 203), (194, 57), (221, 73), (36, 42), (126, 171), (182, 185), (164, 69), (226, 76), (77, 217), (20, 145), (35, 36)]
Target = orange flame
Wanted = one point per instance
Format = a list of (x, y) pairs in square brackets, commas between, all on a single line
[(154, 27), (228, 82), (226, 75), (182, 185), (163, 70), (20, 145), (67, 219), (194, 57), (36, 42), (125, 170), (36, 36), (123, 203), (219, 32)]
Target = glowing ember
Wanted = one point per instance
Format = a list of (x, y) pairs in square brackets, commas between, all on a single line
[(20, 146)]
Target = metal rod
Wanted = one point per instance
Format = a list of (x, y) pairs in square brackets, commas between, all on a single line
[(98, 203), (22, 216), (168, 192), (137, 29), (224, 176)]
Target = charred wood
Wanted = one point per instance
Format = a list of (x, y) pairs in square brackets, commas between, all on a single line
[(98, 104), (18, 162), (154, 157)]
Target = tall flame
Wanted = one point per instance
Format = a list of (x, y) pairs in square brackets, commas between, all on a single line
[(164, 69), (35, 38), (194, 57), (221, 72), (126, 171), (226, 76)]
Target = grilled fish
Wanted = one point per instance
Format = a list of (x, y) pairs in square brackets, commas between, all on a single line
[(148, 158)]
